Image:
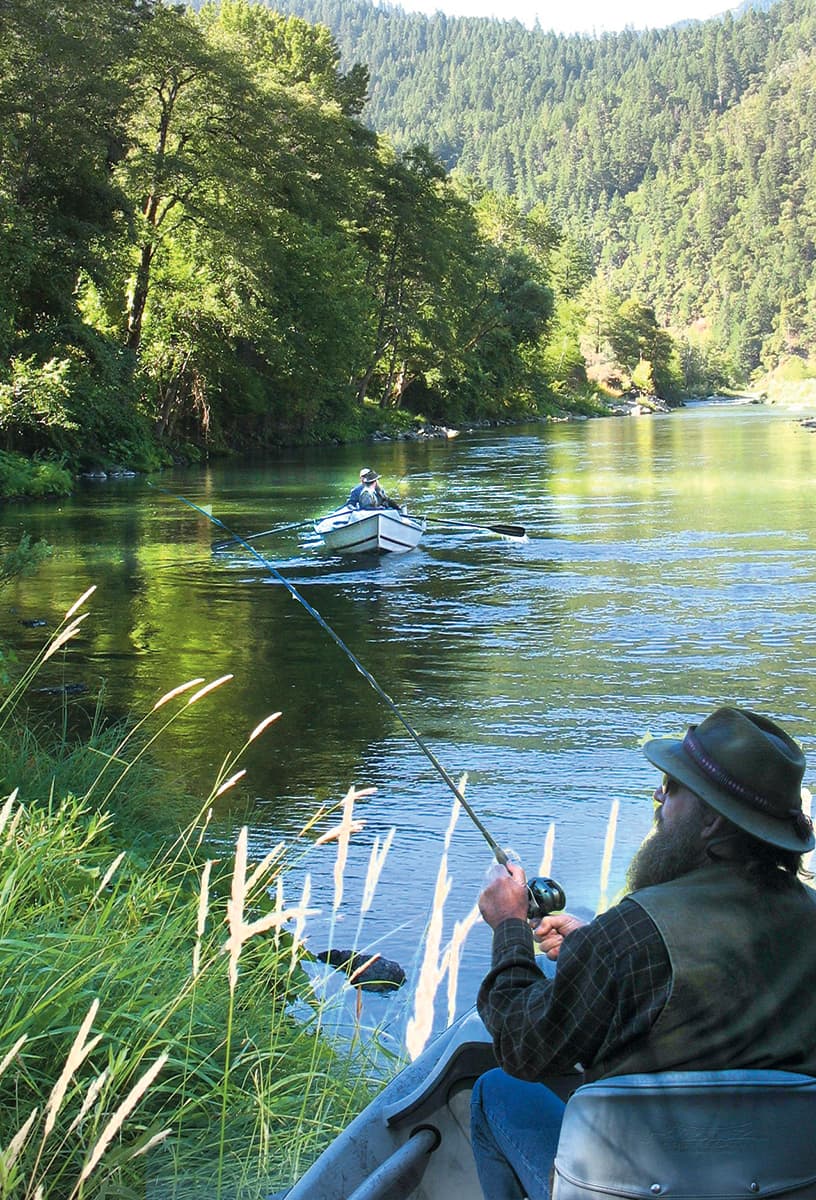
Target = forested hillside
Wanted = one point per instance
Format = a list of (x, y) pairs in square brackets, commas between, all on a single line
[(681, 160)]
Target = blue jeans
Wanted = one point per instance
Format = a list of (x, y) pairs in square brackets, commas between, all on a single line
[(514, 1130)]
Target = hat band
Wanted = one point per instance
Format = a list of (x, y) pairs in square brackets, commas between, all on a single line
[(691, 745)]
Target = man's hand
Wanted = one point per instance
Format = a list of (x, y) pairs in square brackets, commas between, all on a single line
[(505, 896), (551, 931)]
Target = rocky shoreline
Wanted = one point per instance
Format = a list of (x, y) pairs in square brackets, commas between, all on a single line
[(629, 405)]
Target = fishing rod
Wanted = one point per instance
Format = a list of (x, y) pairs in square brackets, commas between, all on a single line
[(544, 895)]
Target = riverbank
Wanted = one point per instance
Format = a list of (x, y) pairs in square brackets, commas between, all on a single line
[(148, 1042), (796, 397), (26, 477), (790, 385), (32, 477), (23, 478)]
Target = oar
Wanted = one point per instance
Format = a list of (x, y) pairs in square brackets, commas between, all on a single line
[(516, 531), (252, 536)]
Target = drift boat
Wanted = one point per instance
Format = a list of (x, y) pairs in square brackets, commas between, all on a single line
[(359, 530), (695, 1135), (412, 1140)]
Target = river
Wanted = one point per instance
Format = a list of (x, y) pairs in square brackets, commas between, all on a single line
[(669, 567)]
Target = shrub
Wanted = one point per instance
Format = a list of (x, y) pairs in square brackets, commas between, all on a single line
[(73, 394), (23, 559), (34, 477)]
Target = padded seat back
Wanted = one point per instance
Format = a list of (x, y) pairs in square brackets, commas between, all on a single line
[(695, 1135)]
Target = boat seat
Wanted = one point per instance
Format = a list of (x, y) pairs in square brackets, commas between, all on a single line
[(695, 1135)]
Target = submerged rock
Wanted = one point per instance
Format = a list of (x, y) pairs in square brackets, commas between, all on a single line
[(381, 974), (64, 689)]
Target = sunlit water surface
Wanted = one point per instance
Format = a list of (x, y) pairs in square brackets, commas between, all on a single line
[(669, 567)]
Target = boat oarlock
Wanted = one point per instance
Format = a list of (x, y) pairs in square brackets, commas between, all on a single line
[(543, 895)]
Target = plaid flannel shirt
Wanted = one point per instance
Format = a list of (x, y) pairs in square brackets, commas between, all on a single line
[(612, 981)]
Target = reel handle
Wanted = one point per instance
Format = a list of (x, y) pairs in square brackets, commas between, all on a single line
[(544, 896)]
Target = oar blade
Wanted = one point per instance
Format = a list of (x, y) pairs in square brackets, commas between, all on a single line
[(514, 531)]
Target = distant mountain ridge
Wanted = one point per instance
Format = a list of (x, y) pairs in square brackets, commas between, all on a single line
[(734, 10), (747, 5)]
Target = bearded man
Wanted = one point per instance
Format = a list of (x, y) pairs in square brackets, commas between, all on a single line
[(708, 963)]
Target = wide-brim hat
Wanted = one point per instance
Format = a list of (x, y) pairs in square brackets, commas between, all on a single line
[(747, 769), (370, 477)]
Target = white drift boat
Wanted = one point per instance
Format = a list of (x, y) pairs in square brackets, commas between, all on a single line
[(360, 530), (695, 1135)]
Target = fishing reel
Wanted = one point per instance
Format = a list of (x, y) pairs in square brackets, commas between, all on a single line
[(544, 896)]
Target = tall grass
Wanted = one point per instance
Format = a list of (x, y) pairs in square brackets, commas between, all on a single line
[(148, 1043)]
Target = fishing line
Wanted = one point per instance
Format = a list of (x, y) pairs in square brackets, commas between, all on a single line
[(499, 854)]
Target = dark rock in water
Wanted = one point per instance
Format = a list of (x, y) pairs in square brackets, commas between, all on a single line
[(65, 689), (381, 975), (37, 623)]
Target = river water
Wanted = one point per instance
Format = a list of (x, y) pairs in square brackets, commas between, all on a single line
[(670, 566)]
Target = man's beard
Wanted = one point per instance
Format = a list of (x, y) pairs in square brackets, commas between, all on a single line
[(666, 855)]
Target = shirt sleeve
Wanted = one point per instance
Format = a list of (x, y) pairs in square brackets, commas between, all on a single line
[(612, 980)]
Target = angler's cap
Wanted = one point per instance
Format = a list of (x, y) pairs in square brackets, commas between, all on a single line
[(370, 477), (365, 471), (747, 768)]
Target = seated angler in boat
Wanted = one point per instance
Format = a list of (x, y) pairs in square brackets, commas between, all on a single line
[(704, 975), (372, 495)]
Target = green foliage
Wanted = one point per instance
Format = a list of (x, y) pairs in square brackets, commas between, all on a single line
[(20, 476), (643, 378), (79, 405), (562, 359), (287, 50), (35, 396), (792, 370), (640, 346), (151, 969), (115, 939), (60, 124), (23, 559), (505, 302), (245, 306), (393, 422)]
